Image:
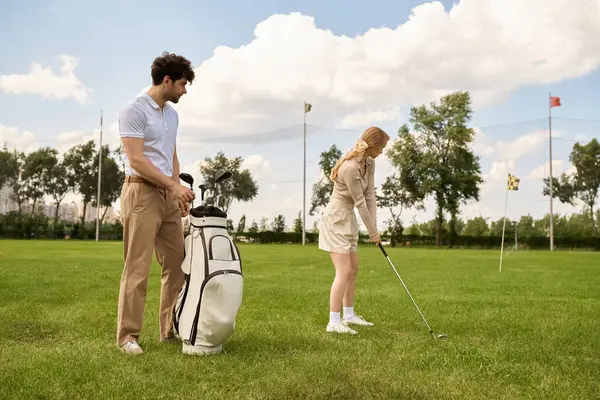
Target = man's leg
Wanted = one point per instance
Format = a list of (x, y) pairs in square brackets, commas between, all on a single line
[(141, 214), (169, 244)]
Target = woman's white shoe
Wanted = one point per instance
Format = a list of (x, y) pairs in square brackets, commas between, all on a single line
[(357, 320), (340, 327)]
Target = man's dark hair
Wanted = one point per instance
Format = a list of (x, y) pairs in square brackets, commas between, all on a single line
[(173, 66)]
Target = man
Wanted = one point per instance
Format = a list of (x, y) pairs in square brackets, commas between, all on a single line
[(152, 199)]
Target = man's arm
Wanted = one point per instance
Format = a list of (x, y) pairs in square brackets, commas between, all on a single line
[(132, 126), (176, 168), (134, 149), (183, 205)]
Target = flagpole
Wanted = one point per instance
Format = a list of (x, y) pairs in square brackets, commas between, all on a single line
[(304, 185), (503, 228), (516, 243), (99, 182), (551, 183)]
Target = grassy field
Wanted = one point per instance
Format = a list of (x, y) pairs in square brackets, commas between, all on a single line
[(530, 332)]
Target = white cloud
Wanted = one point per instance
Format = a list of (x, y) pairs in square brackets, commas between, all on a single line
[(489, 47), (543, 171), (257, 165), (366, 117), (14, 138), (68, 139), (47, 83), (511, 150)]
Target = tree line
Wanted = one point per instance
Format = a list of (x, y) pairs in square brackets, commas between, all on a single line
[(30, 177), (431, 156)]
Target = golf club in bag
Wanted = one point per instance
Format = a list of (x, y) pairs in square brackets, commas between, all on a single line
[(206, 308), (440, 336)]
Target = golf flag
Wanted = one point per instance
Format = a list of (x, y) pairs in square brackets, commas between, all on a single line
[(307, 107), (513, 182), (554, 101)]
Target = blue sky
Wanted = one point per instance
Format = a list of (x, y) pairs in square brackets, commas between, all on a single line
[(114, 44)]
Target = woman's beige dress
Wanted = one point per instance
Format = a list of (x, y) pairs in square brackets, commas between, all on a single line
[(353, 187)]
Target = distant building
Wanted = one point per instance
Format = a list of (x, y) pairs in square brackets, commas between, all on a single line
[(6, 204)]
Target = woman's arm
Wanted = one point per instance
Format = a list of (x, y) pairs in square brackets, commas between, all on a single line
[(370, 193), (351, 177)]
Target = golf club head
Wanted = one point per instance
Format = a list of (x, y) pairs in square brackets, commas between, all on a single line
[(221, 175), (442, 336), (203, 188), (187, 178)]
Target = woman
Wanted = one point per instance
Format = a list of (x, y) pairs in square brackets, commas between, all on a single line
[(353, 178)]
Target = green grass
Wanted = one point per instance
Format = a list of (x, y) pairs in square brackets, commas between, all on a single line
[(530, 332)]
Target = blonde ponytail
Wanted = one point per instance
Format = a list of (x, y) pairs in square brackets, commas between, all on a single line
[(371, 137)]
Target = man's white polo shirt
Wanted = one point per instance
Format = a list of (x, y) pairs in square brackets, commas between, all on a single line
[(143, 118)]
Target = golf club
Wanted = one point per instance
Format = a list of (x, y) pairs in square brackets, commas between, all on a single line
[(187, 178), (203, 187), (221, 175), (440, 336)]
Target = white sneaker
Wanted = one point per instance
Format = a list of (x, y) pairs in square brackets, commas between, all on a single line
[(132, 347), (357, 320), (340, 327)]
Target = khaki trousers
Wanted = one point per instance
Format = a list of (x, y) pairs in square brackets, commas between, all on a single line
[(151, 221)]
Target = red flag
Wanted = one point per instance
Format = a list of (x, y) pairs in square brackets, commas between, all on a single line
[(555, 101)]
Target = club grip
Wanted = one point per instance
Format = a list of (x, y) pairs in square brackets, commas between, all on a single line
[(382, 249)]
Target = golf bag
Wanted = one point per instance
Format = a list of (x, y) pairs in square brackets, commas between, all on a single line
[(206, 309)]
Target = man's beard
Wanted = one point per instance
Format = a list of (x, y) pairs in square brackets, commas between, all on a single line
[(174, 98)]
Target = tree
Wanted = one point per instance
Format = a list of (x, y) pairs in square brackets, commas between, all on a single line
[(241, 224), (37, 174), (118, 156), (584, 183), (82, 173), (16, 182), (239, 187), (413, 230), (58, 187), (436, 159), (323, 188), (263, 224), (9, 167), (253, 227), (298, 223), (526, 227), (278, 224), (112, 181), (476, 227), (395, 198)]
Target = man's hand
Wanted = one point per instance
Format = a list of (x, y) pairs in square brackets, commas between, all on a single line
[(184, 207), (182, 193)]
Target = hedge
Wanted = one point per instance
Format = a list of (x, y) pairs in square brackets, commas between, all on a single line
[(24, 226)]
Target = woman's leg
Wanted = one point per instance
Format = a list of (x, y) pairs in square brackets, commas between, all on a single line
[(343, 265), (350, 293)]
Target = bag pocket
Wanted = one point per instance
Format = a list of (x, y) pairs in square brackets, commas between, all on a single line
[(221, 248)]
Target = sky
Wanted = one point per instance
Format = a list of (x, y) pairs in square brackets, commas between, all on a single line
[(357, 64)]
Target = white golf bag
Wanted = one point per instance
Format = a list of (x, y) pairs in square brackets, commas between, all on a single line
[(206, 309)]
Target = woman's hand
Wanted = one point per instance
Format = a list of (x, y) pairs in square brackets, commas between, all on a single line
[(376, 239)]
